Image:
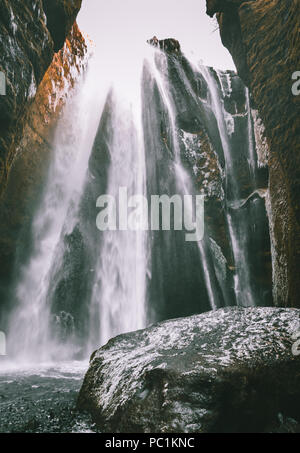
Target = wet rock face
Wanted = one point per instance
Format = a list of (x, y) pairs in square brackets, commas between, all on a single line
[(263, 38), (227, 371), (231, 36), (215, 6), (30, 32)]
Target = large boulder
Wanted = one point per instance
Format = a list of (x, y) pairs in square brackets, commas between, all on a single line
[(234, 370)]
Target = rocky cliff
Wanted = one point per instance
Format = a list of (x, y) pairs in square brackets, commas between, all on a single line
[(263, 37), (214, 133), (31, 32), (38, 81)]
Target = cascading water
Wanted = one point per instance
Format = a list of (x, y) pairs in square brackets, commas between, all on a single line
[(183, 180), (30, 331), (237, 225), (79, 286), (237, 222), (119, 292), (56, 317), (221, 104)]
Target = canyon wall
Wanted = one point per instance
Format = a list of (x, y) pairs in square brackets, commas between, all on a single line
[(42, 54), (31, 32), (263, 37)]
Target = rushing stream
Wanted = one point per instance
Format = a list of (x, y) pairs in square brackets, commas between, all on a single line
[(79, 286)]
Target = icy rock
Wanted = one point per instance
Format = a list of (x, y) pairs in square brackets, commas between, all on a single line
[(231, 370)]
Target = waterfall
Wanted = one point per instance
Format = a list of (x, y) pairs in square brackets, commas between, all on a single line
[(119, 292), (79, 286), (31, 326), (237, 221), (56, 315), (183, 181)]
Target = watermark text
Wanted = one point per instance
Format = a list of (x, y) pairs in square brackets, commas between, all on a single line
[(296, 345), (165, 213), (2, 84), (2, 343), (296, 85)]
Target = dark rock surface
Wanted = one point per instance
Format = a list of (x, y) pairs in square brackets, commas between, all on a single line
[(214, 6), (169, 45), (263, 38), (61, 15), (227, 371)]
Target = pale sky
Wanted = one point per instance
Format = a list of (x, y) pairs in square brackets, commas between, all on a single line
[(116, 26)]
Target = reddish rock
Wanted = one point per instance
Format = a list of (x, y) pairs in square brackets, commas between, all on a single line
[(30, 32)]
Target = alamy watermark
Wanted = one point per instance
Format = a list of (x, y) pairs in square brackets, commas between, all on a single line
[(133, 213), (2, 343), (296, 85), (2, 84), (296, 344)]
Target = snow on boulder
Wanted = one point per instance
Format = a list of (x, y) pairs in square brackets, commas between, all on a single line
[(233, 370)]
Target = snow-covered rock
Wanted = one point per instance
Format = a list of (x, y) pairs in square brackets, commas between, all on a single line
[(232, 370)]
